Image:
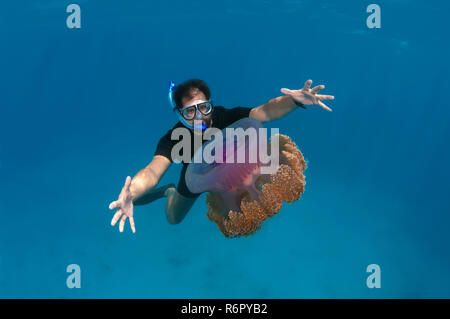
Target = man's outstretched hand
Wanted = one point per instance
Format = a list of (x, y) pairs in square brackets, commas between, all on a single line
[(308, 96), (125, 205)]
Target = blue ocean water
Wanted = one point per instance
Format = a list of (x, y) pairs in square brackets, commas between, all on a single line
[(83, 108)]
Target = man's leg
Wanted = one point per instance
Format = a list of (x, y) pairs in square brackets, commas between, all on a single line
[(153, 195), (177, 205)]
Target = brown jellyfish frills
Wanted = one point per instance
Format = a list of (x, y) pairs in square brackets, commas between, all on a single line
[(287, 185)]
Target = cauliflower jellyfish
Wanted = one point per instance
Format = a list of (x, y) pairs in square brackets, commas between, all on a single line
[(241, 194)]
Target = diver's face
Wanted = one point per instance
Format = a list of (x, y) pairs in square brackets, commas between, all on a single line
[(194, 96)]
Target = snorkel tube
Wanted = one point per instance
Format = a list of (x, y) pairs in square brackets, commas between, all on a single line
[(198, 123)]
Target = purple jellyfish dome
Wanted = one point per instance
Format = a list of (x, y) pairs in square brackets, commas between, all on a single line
[(236, 160)]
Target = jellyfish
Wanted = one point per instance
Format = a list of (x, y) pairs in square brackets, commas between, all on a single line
[(241, 195)]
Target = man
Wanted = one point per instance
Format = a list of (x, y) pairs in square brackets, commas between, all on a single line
[(191, 102)]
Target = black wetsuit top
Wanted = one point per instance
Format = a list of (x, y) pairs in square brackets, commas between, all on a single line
[(221, 118)]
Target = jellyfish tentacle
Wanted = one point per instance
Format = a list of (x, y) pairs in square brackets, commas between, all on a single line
[(216, 211), (287, 180), (271, 199)]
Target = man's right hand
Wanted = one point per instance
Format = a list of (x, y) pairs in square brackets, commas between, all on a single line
[(125, 207)]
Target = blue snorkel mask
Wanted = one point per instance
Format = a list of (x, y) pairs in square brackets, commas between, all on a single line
[(195, 111)]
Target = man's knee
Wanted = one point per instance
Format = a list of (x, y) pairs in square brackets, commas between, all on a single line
[(174, 212), (177, 207), (174, 217)]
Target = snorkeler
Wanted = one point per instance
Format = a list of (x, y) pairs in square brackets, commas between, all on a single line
[(191, 101)]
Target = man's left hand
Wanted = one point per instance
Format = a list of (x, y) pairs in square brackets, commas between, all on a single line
[(308, 96)]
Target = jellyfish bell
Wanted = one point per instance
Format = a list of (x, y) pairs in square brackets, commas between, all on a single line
[(242, 194), (234, 150)]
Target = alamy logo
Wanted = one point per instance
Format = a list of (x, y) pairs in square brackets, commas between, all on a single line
[(374, 279), (74, 19), (373, 20), (240, 146), (74, 279)]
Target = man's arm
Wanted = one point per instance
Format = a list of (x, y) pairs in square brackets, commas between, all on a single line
[(135, 188), (283, 105), (274, 109), (147, 178)]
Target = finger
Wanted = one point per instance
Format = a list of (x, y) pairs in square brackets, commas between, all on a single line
[(316, 89), (116, 217), (114, 204), (287, 91), (133, 228), (325, 107), (127, 182), (122, 223), (307, 85), (325, 97), (125, 186)]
